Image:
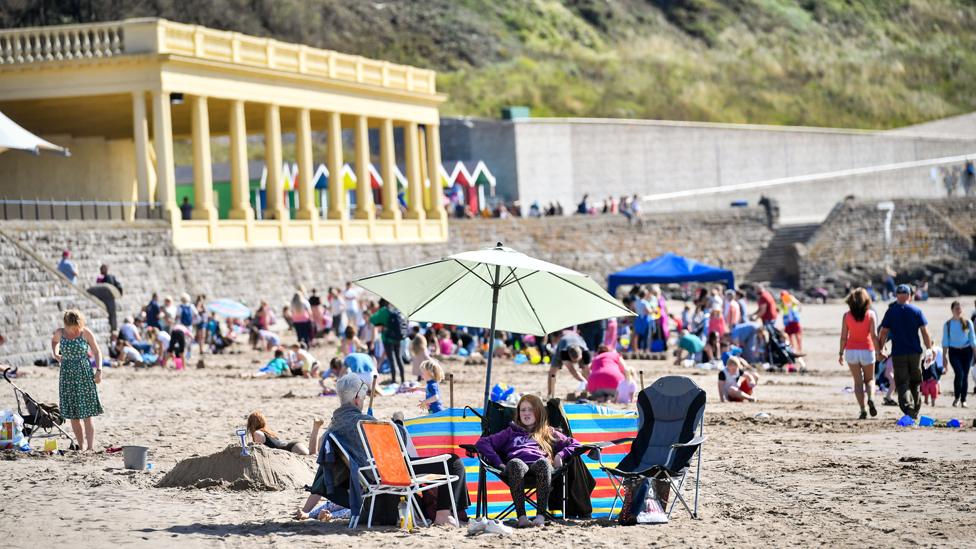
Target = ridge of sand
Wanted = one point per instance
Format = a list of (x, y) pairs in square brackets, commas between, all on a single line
[(263, 469)]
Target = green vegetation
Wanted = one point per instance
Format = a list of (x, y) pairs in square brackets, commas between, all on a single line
[(849, 63)]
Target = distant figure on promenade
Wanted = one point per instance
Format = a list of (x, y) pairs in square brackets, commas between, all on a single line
[(889, 282), (105, 278), (67, 267), (902, 323), (186, 209)]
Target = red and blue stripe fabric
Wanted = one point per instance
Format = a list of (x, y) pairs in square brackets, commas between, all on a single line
[(442, 432)]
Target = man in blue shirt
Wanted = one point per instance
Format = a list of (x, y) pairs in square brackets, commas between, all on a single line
[(902, 324), (67, 267)]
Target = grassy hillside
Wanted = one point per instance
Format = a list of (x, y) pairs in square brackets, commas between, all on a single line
[(851, 63)]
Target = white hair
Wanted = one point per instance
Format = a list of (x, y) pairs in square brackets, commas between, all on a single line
[(350, 387)]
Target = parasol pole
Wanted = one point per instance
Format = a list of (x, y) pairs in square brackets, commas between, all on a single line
[(495, 287)]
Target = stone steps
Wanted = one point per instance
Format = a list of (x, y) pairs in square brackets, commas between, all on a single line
[(778, 262)]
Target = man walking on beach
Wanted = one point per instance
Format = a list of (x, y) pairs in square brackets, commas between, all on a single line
[(902, 323)]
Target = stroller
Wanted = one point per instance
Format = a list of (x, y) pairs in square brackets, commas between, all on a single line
[(778, 352), (41, 420)]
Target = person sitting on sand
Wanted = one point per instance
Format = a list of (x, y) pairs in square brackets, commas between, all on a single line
[(627, 387), (607, 371), (350, 343), (529, 444), (737, 381), (257, 427), (301, 362), (353, 393), (277, 367)]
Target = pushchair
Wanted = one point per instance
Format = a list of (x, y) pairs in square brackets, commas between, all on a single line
[(778, 352), (41, 420)]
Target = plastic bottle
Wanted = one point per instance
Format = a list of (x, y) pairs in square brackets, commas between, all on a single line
[(405, 524)]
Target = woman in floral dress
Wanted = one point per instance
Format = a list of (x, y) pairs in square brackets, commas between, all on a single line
[(78, 395)]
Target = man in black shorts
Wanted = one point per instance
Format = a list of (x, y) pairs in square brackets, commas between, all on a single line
[(570, 350)]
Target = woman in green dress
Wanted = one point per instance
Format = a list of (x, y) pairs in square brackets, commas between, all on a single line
[(79, 397)]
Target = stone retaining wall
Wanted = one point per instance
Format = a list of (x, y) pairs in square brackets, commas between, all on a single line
[(142, 256), (33, 299), (853, 237)]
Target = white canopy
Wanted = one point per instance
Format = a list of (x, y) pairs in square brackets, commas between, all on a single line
[(12, 136)]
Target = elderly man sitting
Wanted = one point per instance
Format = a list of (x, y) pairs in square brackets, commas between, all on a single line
[(353, 392)]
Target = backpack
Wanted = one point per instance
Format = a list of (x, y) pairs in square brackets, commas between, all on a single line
[(186, 315), (396, 325)]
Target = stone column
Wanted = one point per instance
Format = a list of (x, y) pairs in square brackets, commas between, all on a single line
[(140, 135), (163, 141), (435, 199), (391, 206), (275, 207), (240, 179), (203, 206), (415, 183), (337, 203), (364, 193), (303, 149)]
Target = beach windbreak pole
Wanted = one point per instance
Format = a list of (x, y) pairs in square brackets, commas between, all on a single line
[(495, 288)]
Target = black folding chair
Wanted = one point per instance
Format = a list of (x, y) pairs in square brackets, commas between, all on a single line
[(671, 413)]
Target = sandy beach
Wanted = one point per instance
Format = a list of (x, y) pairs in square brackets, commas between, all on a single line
[(810, 475)]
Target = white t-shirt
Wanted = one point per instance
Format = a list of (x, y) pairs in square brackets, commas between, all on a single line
[(163, 338), (352, 300)]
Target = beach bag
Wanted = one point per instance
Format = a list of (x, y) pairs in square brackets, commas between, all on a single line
[(12, 431), (643, 502)]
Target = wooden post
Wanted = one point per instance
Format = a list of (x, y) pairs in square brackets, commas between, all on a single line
[(642, 379), (450, 378)]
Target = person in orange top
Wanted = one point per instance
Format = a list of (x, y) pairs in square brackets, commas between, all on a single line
[(859, 347)]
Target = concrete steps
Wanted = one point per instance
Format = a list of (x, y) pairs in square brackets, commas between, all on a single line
[(777, 262), (33, 298)]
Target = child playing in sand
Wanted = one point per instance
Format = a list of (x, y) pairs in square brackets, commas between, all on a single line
[(257, 427), (350, 343), (737, 381), (278, 366), (444, 344), (931, 375), (627, 387), (433, 373), (301, 362)]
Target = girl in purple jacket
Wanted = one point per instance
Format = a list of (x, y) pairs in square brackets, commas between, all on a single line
[(529, 444)]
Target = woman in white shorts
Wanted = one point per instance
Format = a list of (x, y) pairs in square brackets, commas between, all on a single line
[(858, 344)]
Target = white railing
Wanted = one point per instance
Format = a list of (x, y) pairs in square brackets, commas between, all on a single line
[(158, 36), (39, 44)]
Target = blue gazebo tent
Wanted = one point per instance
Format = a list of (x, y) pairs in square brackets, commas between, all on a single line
[(669, 268)]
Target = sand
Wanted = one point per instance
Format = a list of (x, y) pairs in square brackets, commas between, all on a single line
[(262, 469), (810, 475)]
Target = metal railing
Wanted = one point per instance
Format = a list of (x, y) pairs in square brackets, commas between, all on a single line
[(74, 210)]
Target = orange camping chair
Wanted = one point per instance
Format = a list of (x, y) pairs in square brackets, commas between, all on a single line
[(391, 470)]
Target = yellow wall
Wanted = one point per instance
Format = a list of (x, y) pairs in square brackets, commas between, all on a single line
[(98, 169)]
